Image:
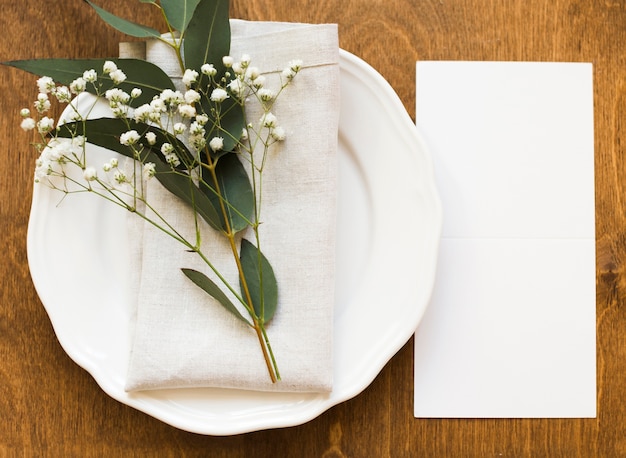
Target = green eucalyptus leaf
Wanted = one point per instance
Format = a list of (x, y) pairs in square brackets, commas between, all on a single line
[(236, 192), (214, 291), (128, 27), (207, 38), (260, 279), (182, 187), (179, 12), (139, 74)]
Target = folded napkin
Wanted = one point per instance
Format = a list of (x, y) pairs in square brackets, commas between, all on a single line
[(182, 337)]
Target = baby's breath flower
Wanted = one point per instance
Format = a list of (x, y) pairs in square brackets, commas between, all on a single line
[(136, 92), (216, 143), (117, 95), (142, 113), (55, 150), (202, 119), (78, 141), (236, 88), (295, 65), (43, 165), (238, 68), (120, 177), (278, 133), (129, 138), (186, 110), (151, 112), (154, 116), (107, 167), (252, 73), (118, 76), (179, 128), (198, 142), (75, 116), (45, 84), (166, 96), (28, 124), (109, 67), (43, 103), (150, 138), (154, 110), (45, 125), (167, 148), (268, 120), (149, 170), (172, 159), (228, 61), (190, 76), (266, 95), (171, 97), (114, 162), (208, 70), (90, 76), (292, 69), (63, 94), (192, 96), (24, 112), (90, 174), (219, 95), (196, 128), (244, 134), (288, 74), (245, 60), (119, 110), (158, 105), (258, 82), (78, 85), (42, 169)]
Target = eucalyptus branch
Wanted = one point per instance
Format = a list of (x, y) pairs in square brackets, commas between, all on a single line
[(197, 142), (257, 321)]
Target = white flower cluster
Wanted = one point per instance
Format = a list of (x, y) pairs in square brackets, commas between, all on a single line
[(110, 68), (170, 154), (162, 110), (47, 88), (129, 138), (292, 69), (180, 113), (56, 154), (246, 81)]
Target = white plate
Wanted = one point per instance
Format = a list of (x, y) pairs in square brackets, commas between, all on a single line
[(388, 237)]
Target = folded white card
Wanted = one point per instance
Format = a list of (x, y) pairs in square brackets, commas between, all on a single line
[(510, 331)]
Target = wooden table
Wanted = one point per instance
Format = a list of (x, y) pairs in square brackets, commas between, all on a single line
[(51, 407)]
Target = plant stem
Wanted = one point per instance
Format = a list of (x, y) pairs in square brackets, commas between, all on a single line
[(259, 327), (176, 44)]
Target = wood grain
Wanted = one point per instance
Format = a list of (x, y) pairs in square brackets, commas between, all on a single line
[(51, 407)]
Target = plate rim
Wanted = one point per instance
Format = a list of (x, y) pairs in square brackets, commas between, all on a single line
[(320, 402)]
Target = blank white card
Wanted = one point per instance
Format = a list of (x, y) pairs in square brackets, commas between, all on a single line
[(510, 330)]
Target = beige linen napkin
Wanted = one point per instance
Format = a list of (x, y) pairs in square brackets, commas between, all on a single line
[(182, 337)]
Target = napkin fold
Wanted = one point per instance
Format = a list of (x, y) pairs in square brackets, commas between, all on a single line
[(183, 338)]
